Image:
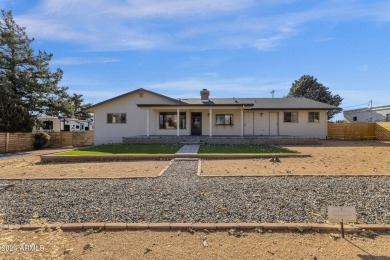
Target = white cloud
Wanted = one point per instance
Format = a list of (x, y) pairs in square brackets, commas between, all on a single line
[(81, 61), (176, 8), (185, 25), (220, 87), (360, 97)]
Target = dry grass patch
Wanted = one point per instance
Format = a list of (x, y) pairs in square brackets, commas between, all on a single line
[(331, 158), (31, 168)]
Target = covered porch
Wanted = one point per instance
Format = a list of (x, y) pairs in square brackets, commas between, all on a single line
[(195, 120)]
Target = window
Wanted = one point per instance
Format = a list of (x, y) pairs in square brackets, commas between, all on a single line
[(116, 118), (387, 117), (168, 120), (224, 119), (291, 117), (314, 117), (354, 118), (47, 125)]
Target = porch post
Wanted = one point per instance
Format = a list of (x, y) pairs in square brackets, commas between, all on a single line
[(210, 122), (178, 122), (148, 123), (242, 121)]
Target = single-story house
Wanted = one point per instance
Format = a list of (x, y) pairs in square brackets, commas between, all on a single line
[(368, 114), (145, 113)]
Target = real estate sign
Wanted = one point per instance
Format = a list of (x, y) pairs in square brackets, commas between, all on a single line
[(342, 214)]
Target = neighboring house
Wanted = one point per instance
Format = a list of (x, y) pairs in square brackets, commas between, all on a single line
[(143, 112), (55, 124), (369, 114)]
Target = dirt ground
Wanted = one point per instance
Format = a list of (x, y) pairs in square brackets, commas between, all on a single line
[(329, 158), (215, 245), (30, 167)]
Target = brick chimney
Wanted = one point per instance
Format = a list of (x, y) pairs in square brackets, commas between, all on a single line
[(204, 95)]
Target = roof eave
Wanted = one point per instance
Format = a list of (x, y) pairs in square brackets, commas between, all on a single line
[(90, 108)]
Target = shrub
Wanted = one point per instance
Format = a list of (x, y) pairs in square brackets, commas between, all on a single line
[(41, 140)]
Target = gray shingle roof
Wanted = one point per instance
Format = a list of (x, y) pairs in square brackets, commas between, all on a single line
[(266, 103), (255, 103)]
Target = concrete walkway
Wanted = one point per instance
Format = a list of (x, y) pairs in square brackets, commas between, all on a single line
[(188, 150)]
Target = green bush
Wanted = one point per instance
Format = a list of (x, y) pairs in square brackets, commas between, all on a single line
[(41, 140)]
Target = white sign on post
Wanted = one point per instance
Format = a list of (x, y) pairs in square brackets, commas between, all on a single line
[(342, 214)]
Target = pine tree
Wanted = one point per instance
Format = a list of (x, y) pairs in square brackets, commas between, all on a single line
[(25, 76), (308, 87)]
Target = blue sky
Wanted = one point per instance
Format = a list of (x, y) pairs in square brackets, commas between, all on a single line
[(234, 48)]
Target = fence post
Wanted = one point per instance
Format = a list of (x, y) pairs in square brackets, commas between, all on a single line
[(6, 142)]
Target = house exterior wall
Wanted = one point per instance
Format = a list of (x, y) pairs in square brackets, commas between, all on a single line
[(376, 114), (234, 129), (304, 128), (135, 117)]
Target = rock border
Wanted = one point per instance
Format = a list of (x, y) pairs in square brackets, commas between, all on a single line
[(114, 226)]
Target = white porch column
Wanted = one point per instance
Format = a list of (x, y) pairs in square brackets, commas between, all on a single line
[(148, 123), (210, 122), (178, 122), (242, 121)]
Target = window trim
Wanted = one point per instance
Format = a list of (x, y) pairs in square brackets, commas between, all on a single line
[(121, 116), (181, 126), (314, 112), (291, 117), (231, 119)]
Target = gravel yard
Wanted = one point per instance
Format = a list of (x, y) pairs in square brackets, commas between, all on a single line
[(181, 196)]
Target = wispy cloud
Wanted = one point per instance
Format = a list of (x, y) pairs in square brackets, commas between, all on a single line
[(221, 87), (186, 25), (81, 61), (356, 98), (176, 8)]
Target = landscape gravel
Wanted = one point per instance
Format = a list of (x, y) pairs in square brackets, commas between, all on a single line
[(181, 196)]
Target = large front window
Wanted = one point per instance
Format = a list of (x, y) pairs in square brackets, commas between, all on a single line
[(168, 120)]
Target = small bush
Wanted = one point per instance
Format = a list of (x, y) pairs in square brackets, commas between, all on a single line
[(41, 140)]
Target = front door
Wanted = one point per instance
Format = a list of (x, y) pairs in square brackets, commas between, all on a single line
[(273, 123), (196, 123), (248, 123)]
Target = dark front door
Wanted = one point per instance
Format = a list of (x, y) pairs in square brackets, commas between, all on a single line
[(196, 123)]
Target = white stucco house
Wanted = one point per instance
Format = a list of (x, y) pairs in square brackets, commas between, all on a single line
[(145, 113), (368, 114)]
